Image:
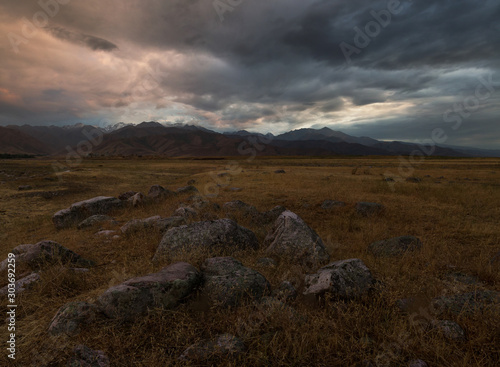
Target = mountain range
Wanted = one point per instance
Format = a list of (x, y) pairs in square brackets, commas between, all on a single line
[(153, 138)]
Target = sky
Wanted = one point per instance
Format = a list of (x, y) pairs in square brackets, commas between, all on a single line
[(416, 70)]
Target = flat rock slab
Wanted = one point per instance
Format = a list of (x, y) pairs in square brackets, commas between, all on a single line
[(71, 317), (79, 211), (396, 246), (228, 282), (83, 356), (225, 346), (213, 235), (344, 279), (369, 209), (165, 289), (292, 239), (46, 253)]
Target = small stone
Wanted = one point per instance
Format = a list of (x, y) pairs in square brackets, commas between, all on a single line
[(397, 246), (369, 209), (25, 188), (417, 363), (280, 171), (330, 204), (83, 356), (225, 346)]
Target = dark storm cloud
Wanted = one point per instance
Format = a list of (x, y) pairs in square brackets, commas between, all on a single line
[(94, 43), (414, 60)]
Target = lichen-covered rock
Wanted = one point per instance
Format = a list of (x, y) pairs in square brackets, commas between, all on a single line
[(45, 253), (79, 211), (70, 318), (83, 356), (396, 246), (292, 239), (165, 289), (224, 346), (344, 279), (185, 212), (136, 200), (93, 220), (228, 282), (213, 235), (369, 209)]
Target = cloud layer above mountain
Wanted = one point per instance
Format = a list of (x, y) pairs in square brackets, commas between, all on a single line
[(386, 69)]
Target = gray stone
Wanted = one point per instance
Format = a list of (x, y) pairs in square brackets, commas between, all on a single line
[(79, 211), (22, 284), (396, 246), (280, 171), (344, 279), (83, 356), (368, 209), (191, 182), (137, 199), (466, 302), (330, 204), (215, 235), (93, 220), (450, 329), (414, 179), (70, 318), (222, 346), (239, 206), (151, 223), (185, 212), (106, 233), (165, 289), (45, 252), (293, 240), (273, 214), (25, 188), (157, 192), (187, 190), (228, 282), (235, 189)]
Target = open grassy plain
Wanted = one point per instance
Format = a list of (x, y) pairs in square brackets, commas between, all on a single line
[(454, 210)]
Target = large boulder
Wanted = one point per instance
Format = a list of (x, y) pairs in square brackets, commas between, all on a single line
[(45, 252), (292, 239), (228, 282), (222, 346), (165, 289), (214, 235), (369, 209), (70, 318), (79, 211), (344, 279), (83, 356), (395, 246)]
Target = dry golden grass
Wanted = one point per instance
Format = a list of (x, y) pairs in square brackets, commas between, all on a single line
[(456, 219)]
